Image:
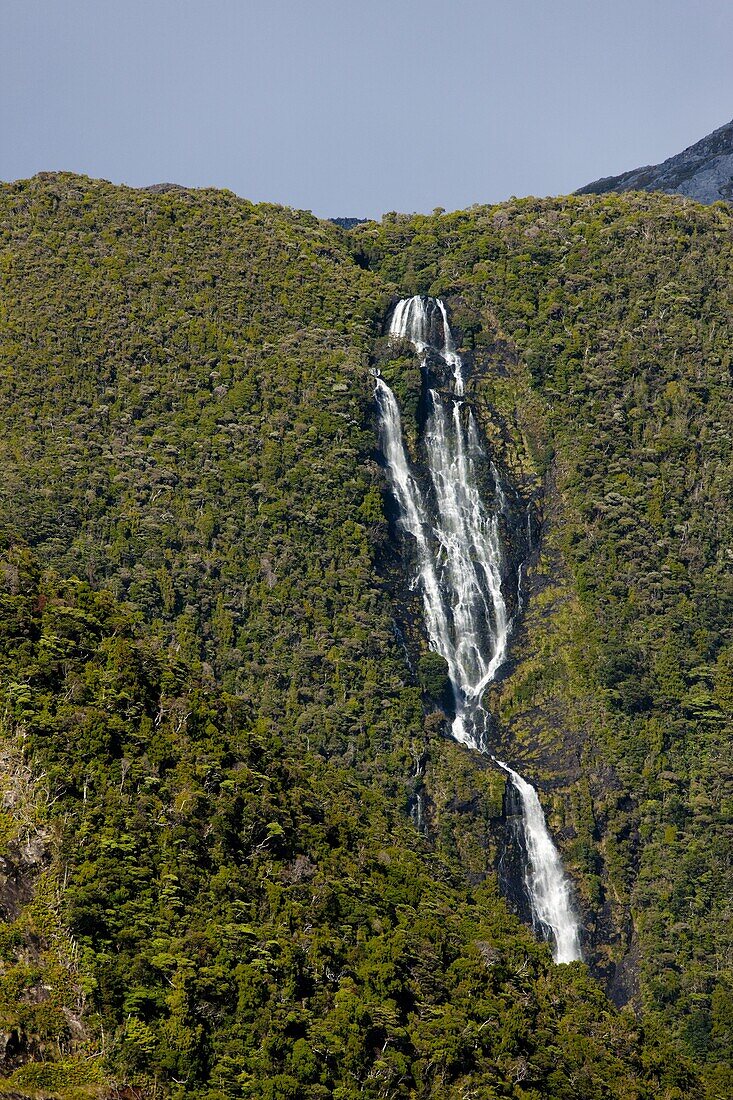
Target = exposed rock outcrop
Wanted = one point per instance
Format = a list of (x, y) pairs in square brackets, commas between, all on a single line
[(703, 172)]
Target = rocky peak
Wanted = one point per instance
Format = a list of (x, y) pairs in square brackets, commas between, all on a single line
[(703, 172)]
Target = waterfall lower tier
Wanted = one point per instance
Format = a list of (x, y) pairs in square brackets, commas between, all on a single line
[(460, 565), (547, 885)]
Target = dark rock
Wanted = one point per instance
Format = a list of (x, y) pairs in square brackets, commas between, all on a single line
[(348, 223)]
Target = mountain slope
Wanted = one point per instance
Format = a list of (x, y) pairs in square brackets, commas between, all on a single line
[(211, 662), (703, 172), (618, 311)]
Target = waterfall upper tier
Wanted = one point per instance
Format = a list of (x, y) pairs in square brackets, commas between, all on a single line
[(457, 541), (424, 322)]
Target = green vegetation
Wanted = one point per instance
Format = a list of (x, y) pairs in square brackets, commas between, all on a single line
[(210, 716), (616, 314)]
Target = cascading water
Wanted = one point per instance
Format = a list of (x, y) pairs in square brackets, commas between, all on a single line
[(459, 557), (547, 885)]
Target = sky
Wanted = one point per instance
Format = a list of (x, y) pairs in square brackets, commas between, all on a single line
[(359, 107)]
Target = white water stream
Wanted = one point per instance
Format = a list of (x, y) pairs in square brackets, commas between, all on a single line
[(459, 558)]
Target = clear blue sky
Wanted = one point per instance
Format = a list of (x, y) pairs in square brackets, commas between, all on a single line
[(356, 107)]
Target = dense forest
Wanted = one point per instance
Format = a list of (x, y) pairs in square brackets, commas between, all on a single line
[(218, 706)]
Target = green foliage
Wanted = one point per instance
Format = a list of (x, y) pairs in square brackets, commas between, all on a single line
[(245, 918), (198, 650), (618, 313), (432, 673)]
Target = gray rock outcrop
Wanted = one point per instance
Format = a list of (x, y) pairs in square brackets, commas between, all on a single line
[(703, 172)]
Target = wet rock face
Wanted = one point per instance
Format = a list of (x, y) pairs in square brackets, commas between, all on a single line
[(18, 874), (512, 856), (436, 373)]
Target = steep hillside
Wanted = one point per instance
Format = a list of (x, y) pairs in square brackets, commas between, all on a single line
[(618, 312), (703, 172), (217, 690)]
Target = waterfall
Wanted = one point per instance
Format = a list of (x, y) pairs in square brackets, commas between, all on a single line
[(547, 884), (414, 520), (459, 571), (459, 553)]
